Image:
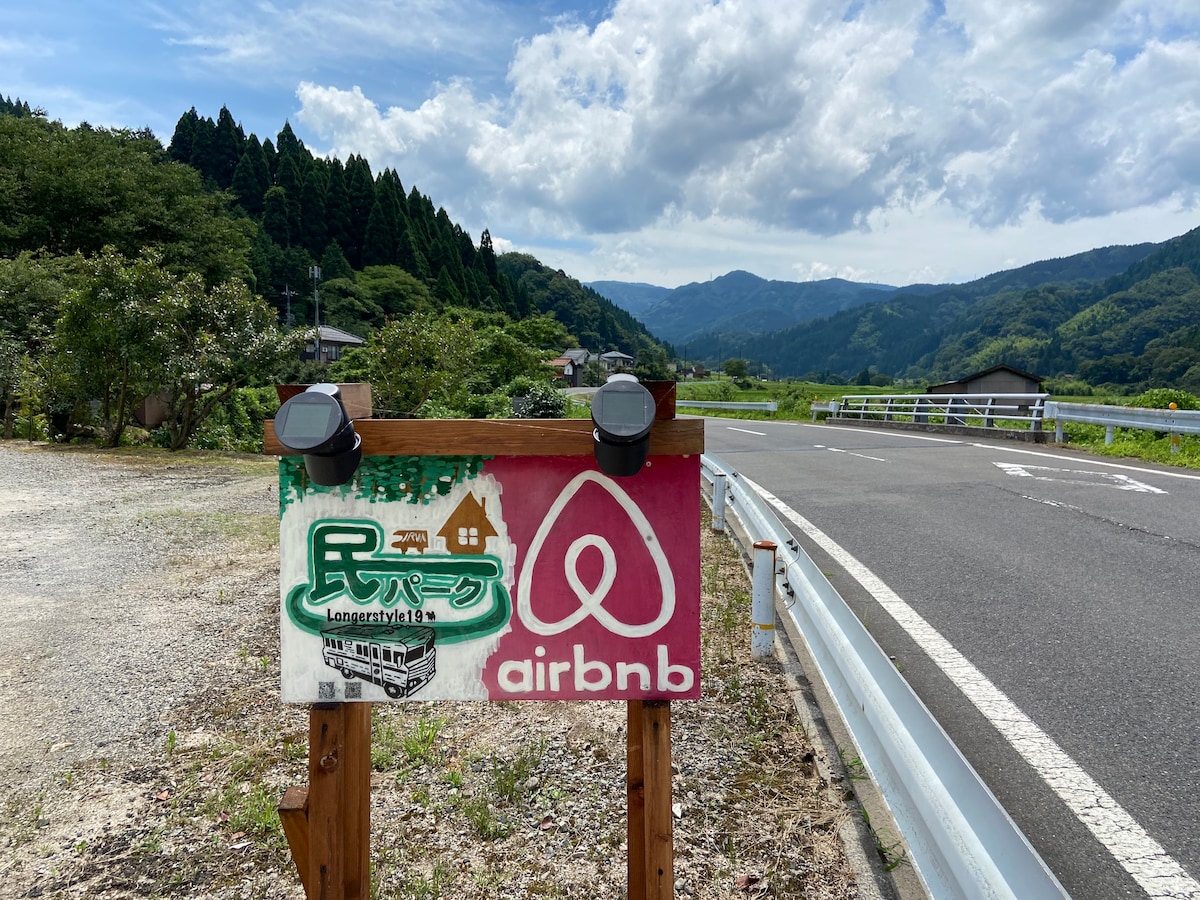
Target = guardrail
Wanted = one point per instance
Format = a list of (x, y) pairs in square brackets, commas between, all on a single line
[(831, 407), (947, 409), (1174, 421), (961, 841), (764, 406)]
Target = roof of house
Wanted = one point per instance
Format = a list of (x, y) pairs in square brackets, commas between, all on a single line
[(976, 375), (577, 355), (331, 335), (615, 354)]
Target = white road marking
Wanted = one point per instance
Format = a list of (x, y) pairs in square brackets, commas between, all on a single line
[(851, 452), (1090, 462), (1064, 476), (1149, 864), (880, 433), (864, 456), (747, 431)]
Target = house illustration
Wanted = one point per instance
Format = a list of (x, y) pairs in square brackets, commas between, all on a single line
[(468, 528)]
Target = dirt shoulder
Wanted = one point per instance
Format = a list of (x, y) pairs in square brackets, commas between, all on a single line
[(147, 747)]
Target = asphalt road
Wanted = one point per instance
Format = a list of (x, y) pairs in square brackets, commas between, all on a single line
[(1073, 584)]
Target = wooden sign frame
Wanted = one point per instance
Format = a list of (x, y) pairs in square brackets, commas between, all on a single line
[(327, 823)]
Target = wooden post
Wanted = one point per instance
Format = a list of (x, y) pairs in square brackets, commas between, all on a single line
[(635, 793), (328, 825), (651, 864)]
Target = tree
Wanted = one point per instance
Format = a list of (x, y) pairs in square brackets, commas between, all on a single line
[(360, 187), (416, 358), (180, 148), (379, 243), (334, 263), (313, 225), (251, 178), (653, 365), (227, 148), (66, 191), (736, 368), (394, 290), (108, 341), (216, 341), (136, 329), (275, 220), (337, 206)]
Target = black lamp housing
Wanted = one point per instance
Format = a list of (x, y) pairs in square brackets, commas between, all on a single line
[(315, 425), (623, 414)]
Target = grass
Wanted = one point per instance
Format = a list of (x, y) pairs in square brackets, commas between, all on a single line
[(1133, 443), (394, 746)]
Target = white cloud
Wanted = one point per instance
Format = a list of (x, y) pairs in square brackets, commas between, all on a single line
[(294, 39), (741, 119)]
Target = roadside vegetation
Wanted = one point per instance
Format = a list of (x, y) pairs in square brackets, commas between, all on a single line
[(795, 399)]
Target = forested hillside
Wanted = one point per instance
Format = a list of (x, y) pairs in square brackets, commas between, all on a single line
[(348, 220), (1120, 316), (130, 270), (633, 297)]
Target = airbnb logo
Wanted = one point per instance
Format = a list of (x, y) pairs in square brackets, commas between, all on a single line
[(591, 602)]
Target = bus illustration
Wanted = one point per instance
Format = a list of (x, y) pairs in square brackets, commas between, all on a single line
[(401, 659)]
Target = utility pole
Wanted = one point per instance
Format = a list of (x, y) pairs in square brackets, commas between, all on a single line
[(288, 319), (314, 272)]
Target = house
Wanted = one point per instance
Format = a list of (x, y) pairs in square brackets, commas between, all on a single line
[(616, 361), (570, 366), (333, 343), (1000, 379)]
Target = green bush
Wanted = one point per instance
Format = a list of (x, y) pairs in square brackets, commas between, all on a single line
[(1162, 398), (540, 401), (237, 424)]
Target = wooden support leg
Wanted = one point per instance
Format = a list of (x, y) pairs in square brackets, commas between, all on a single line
[(328, 824), (651, 864), (293, 813), (635, 804)]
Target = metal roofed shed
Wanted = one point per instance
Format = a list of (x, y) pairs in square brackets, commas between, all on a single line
[(1000, 379)]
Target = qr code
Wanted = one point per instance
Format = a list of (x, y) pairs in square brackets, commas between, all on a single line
[(353, 690), (325, 690)]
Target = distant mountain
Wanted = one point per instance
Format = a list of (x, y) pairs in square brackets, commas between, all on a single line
[(739, 301), (634, 297), (1126, 315)]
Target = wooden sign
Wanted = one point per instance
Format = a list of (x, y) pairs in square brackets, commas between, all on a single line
[(434, 577)]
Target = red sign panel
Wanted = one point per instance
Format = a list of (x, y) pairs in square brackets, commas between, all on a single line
[(506, 578)]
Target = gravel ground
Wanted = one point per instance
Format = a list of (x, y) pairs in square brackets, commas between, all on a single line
[(145, 748)]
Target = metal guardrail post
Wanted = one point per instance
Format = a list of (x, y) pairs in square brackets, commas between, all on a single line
[(762, 607), (718, 504)]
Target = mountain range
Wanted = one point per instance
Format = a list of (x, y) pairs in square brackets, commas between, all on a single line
[(735, 302), (1125, 316)]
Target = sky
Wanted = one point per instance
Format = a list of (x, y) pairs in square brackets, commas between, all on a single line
[(672, 141)]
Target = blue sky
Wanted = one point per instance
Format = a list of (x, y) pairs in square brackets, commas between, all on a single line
[(669, 141)]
